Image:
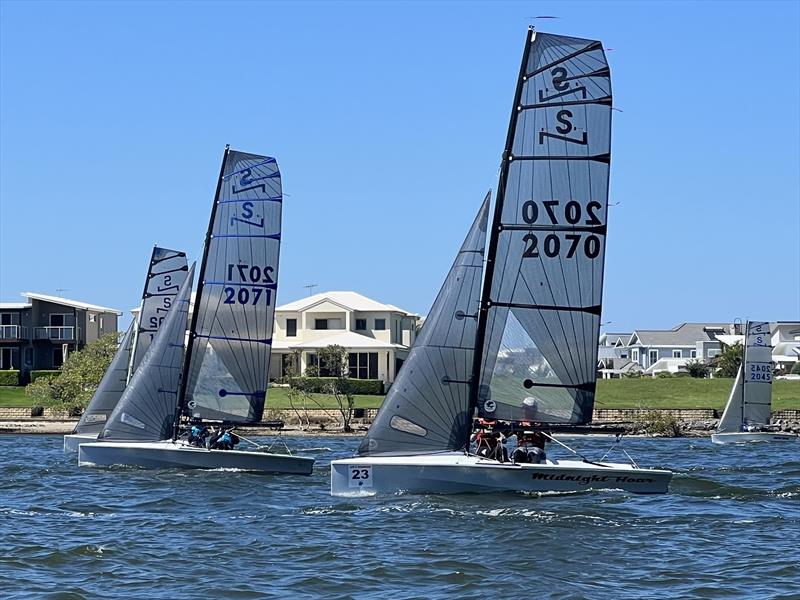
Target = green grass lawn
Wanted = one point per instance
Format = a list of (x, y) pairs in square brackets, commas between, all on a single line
[(679, 392)]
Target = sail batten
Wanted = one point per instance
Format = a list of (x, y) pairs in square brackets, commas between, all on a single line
[(542, 297), (427, 407)]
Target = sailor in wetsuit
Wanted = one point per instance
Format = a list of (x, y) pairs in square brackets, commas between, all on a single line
[(225, 440), (198, 434)]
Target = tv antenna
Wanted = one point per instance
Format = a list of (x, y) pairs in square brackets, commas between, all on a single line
[(59, 290), (310, 287)]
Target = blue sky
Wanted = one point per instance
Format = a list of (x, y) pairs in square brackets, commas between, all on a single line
[(388, 122)]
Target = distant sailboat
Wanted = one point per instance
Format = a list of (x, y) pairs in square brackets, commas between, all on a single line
[(748, 411), (222, 375), (522, 351), (165, 274)]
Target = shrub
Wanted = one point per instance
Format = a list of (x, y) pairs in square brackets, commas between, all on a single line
[(632, 375), (664, 375), (37, 411), (321, 385), (796, 368), (44, 375), (681, 374), (9, 377), (697, 369), (658, 423)]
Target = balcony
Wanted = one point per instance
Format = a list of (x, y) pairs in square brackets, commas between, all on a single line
[(13, 332), (57, 334)]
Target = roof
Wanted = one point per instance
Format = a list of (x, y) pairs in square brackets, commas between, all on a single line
[(346, 339), (14, 305), (685, 334), (610, 339), (68, 302), (731, 340), (347, 300), (673, 365)]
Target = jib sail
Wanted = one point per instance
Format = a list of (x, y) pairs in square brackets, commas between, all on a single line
[(427, 407)]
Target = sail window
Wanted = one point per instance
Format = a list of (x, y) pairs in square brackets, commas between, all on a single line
[(406, 426)]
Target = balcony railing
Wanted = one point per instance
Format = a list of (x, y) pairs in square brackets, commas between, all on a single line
[(54, 333), (13, 332)]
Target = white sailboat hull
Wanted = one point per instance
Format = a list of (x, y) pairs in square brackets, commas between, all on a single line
[(744, 437), (168, 455), (455, 473), (73, 440)]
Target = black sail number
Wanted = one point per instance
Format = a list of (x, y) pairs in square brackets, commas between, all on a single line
[(552, 246), (571, 213)]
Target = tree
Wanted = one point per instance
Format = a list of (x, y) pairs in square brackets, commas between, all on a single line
[(795, 368), (727, 363), (697, 369), (73, 388), (333, 361)]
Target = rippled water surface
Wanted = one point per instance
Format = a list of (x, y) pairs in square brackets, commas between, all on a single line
[(729, 528)]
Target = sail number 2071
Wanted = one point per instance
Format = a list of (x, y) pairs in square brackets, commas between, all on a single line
[(252, 283), (572, 213)]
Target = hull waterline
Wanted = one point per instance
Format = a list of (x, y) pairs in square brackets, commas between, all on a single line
[(73, 440), (168, 455), (746, 437), (458, 473)]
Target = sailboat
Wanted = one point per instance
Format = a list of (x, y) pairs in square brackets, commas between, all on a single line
[(221, 377), (165, 274), (520, 349), (747, 413)]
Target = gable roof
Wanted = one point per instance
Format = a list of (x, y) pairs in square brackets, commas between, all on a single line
[(347, 300), (685, 334), (72, 303), (611, 339)]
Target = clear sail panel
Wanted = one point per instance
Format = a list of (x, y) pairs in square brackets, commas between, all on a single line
[(167, 273), (148, 407), (543, 325), (110, 389), (427, 407), (232, 335)]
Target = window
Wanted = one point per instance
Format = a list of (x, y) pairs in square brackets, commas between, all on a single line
[(320, 323), (363, 365), (92, 318), (62, 320), (693, 354), (56, 320), (101, 323), (58, 358), (676, 354), (623, 355), (291, 327), (380, 324), (714, 352), (635, 355), (5, 319), (361, 324), (653, 356), (6, 358)]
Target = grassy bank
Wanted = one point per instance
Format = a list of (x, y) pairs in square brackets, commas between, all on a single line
[(680, 392)]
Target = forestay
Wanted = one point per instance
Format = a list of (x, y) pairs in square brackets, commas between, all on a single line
[(231, 332), (757, 374), (147, 409), (165, 276), (427, 407), (111, 387), (544, 282)]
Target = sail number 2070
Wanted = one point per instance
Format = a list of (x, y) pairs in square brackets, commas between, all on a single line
[(552, 212)]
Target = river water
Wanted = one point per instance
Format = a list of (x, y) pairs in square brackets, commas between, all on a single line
[(729, 528)]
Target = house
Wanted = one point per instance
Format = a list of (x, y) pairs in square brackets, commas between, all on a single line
[(677, 346), (377, 336), (39, 333), (613, 356), (785, 340)]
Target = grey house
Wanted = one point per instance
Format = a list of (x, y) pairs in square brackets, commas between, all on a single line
[(39, 333), (685, 341)]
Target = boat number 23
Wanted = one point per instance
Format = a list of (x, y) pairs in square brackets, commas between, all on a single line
[(360, 476)]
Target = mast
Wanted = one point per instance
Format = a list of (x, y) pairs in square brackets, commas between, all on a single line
[(744, 368), (188, 355), (494, 234)]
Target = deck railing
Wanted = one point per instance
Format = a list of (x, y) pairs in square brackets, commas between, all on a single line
[(54, 333), (13, 332)]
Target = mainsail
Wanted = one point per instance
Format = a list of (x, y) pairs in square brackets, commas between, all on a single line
[(427, 407), (146, 411), (541, 302), (231, 332), (757, 375), (165, 276), (111, 387)]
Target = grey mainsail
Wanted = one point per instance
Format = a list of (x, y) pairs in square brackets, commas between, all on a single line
[(110, 389), (165, 276), (231, 332), (757, 374), (427, 407), (541, 304), (146, 411)]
